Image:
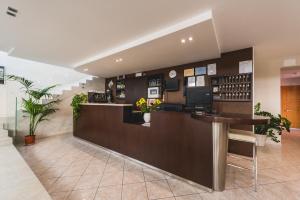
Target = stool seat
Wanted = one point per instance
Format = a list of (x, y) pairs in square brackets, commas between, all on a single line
[(241, 135)]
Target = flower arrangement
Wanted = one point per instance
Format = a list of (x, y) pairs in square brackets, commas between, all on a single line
[(145, 108)]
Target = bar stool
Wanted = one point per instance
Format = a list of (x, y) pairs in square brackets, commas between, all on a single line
[(249, 137)]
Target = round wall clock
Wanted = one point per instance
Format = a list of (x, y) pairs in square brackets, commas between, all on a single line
[(172, 74)]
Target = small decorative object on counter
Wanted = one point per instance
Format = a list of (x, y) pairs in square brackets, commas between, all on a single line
[(147, 108)]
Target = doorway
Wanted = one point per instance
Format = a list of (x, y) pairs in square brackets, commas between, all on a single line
[(290, 95)]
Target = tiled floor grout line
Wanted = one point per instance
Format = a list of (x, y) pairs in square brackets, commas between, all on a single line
[(169, 186), (145, 184), (122, 180), (109, 155)]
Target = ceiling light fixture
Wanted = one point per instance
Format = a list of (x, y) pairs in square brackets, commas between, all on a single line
[(190, 39), (119, 60), (183, 41)]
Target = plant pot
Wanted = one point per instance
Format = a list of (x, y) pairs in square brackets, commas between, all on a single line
[(260, 140), (29, 139), (147, 117)]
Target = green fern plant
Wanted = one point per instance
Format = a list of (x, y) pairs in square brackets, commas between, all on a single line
[(32, 104)]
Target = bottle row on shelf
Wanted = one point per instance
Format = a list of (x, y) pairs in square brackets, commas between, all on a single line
[(241, 78), (233, 96), (232, 88)]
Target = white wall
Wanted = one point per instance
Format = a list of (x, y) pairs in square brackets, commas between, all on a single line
[(41, 74), (267, 83)]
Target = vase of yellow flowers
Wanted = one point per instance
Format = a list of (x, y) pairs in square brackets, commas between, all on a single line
[(147, 108)]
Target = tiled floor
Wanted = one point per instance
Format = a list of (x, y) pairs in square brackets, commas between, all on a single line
[(72, 170)]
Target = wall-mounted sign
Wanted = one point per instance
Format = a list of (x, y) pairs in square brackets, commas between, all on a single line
[(153, 92), (200, 81), (188, 72), (1, 75), (245, 67), (139, 74), (200, 70), (191, 82), (212, 69)]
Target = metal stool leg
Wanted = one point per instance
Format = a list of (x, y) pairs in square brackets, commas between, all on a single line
[(255, 166)]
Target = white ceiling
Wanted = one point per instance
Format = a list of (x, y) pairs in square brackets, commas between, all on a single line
[(70, 32), (162, 52)]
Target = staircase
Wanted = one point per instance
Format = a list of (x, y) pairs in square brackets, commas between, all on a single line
[(4, 138)]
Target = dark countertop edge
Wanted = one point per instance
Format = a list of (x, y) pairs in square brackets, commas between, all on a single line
[(231, 118)]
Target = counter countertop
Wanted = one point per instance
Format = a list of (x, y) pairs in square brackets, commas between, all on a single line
[(232, 118), (105, 104)]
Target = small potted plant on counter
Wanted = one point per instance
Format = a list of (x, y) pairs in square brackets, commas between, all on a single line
[(37, 103), (76, 101), (273, 129), (147, 108)]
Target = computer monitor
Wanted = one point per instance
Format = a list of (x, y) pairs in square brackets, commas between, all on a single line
[(172, 85), (199, 98)]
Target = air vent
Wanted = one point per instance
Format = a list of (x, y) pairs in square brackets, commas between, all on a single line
[(12, 11)]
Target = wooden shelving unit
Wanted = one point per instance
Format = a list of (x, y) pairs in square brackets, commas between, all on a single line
[(232, 88), (120, 89)]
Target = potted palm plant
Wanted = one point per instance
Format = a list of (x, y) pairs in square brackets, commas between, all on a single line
[(146, 108), (273, 129), (34, 106)]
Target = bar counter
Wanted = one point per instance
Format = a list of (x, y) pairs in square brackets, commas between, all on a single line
[(188, 145)]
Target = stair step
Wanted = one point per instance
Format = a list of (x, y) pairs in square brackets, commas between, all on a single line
[(5, 141)]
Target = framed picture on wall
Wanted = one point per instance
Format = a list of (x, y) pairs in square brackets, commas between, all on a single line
[(200, 70), (1, 75), (188, 72), (153, 92), (191, 82), (200, 81)]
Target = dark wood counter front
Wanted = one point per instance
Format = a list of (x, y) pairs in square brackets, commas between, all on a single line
[(174, 142)]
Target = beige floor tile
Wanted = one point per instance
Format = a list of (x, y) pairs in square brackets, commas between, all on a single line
[(235, 194), (133, 176), (131, 165), (109, 193), (64, 184), (59, 195), (94, 169), (87, 194), (134, 192), (88, 181), (189, 197), (48, 182), (180, 188), (54, 172), (158, 189), (112, 178), (75, 170), (277, 191), (153, 175), (96, 161)]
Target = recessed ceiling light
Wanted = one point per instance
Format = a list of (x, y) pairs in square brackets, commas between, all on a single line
[(182, 41), (190, 38), (85, 69), (119, 60)]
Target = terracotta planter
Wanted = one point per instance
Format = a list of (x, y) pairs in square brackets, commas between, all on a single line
[(29, 139), (147, 117)]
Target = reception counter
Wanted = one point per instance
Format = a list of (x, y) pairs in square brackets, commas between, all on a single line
[(190, 146)]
